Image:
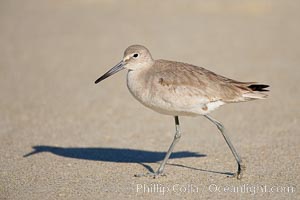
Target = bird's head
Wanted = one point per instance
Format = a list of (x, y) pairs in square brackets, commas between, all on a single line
[(135, 57)]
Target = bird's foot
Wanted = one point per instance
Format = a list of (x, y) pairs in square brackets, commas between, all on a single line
[(151, 174), (240, 172)]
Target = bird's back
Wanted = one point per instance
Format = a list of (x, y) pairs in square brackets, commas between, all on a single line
[(204, 82)]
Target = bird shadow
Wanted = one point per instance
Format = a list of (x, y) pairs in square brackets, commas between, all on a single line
[(117, 155)]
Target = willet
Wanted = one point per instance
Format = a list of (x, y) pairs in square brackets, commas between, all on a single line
[(180, 89)]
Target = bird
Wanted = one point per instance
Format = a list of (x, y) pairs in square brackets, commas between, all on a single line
[(180, 89)]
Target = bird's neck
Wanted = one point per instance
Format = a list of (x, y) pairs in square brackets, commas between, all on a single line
[(137, 82)]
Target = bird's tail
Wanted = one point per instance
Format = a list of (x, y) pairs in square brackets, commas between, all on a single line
[(259, 87), (256, 91)]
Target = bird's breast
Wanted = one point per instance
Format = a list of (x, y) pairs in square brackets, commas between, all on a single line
[(137, 85), (142, 86)]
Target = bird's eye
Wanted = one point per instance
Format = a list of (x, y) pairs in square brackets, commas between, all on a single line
[(135, 55)]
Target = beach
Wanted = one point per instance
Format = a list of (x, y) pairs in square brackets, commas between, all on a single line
[(63, 137)]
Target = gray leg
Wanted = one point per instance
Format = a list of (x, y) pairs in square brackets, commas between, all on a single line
[(241, 167), (175, 140)]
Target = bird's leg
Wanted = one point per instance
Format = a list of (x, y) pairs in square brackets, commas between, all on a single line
[(175, 140), (162, 165), (241, 166)]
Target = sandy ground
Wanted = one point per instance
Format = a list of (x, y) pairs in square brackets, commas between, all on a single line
[(89, 140)]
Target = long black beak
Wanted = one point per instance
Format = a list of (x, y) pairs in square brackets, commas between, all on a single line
[(112, 71)]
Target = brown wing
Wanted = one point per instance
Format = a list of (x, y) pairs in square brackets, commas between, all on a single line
[(197, 81)]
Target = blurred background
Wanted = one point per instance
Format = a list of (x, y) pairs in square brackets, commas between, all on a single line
[(51, 52)]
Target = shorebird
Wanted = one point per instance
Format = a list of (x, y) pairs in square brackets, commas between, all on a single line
[(180, 89)]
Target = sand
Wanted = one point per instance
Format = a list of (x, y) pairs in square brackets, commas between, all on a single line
[(89, 140)]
